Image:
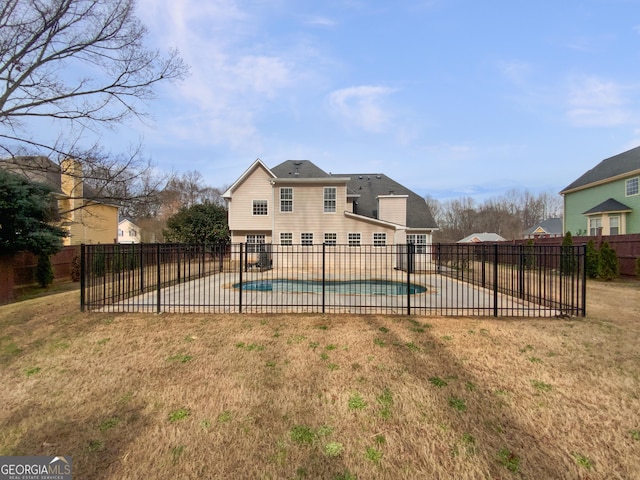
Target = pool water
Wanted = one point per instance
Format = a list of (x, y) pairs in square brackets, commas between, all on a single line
[(346, 287)]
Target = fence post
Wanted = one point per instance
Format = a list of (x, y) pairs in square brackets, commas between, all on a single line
[(521, 270), (158, 278), (82, 274), (240, 285), (495, 279), (584, 279), (141, 267), (324, 252), (410, 247), (483, 257)]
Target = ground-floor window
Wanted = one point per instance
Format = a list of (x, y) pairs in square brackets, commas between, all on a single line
[(354, 239), (379, 239), (255, 243), (306, 238), (419, 240), (286, 238), (614, 225), (330, 238), (595, 224)]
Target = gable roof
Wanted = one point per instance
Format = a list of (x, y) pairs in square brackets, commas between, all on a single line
[(367, 188), (482, 237), (298, 169), (38, 169), (609, 205), (617, 166), (550, 226), (257, 163)]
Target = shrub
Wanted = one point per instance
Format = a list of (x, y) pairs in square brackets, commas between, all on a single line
[(608, 266), (529, 259), (592, 260), (44, 270), (567, 256)]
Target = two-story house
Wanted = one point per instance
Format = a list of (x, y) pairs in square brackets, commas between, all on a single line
[(606, 199), (128, 232), (296, 202), (85, 219)]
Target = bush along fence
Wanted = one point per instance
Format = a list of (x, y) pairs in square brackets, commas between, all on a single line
[(440, 279)]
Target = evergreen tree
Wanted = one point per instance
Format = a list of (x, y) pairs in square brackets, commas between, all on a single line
[(26, 210), (567, 255), (608, 266), (200, 223), (592, 260)]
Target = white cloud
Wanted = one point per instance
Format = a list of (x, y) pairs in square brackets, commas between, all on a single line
[(362, 106), (234, 72), (516, 71), (593, 102)]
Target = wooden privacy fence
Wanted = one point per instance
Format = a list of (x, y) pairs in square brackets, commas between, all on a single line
[(439, 279), (18, 271)]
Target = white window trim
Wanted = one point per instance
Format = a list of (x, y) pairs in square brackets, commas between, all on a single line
[(303, 240), (359, 244), (626, 187), (335, 200), (253, 208), (287, 241), (383, 238), (333, 241), (289, 200)]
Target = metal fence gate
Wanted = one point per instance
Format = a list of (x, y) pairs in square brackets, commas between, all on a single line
[(439, 279)]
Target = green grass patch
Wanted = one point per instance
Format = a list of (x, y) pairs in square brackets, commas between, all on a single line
[(509, 460), (224, 417), (109, 423), (634, 434), (457, 403), (104, 341), (384, 329), (32, 371), (583, 461), (176, 453), (356, 402), (378, 342), (178, 415), (543, 387), (333, 449), (437, 382), (302, 434), (373, 455), (180, 358)]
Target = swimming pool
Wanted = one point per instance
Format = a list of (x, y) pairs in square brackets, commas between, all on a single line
[(344, 287)]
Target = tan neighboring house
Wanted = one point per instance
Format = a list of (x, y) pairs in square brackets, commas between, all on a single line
[(85, 220), (297, 203), (128, 232)]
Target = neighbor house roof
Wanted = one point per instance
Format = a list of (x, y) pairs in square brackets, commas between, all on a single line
[(367, 188), (609, 205), (613, 167), (38, 169), (482, 237), (550, 226)]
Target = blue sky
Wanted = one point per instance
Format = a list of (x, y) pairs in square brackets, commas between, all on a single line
[(448, 97)]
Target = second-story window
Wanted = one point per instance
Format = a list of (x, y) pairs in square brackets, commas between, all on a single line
[(260, 207), (286, 199), (330, 199), (632, 187)]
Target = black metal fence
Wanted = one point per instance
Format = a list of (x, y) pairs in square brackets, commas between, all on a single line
[(440, 279)]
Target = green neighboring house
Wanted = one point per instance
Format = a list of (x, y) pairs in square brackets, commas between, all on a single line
[(606, 199)]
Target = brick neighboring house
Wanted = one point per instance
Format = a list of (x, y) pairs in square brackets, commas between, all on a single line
[(86, 220), (606, 199), (296, 202)]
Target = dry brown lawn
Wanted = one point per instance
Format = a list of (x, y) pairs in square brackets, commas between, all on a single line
[(324, 397)]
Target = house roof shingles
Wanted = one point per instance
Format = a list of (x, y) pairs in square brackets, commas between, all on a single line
[(551, 225), (367, 187), (620, 164), (609, 205)]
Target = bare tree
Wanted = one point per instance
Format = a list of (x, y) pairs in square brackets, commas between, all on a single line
[(81, 65)]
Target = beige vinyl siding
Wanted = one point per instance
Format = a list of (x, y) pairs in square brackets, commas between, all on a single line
[(308, 216), (257, 186), (393, 208)]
